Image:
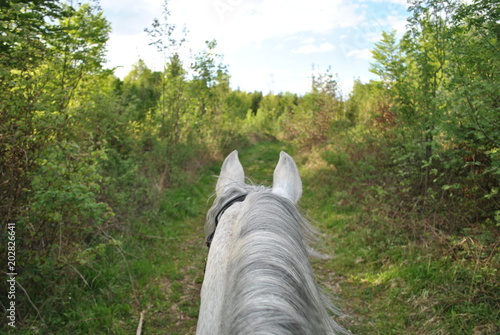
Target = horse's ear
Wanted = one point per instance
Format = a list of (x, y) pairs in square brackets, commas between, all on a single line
[(287, 182), (231, 173)]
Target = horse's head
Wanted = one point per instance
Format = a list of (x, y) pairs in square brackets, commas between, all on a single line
[(258, 276)]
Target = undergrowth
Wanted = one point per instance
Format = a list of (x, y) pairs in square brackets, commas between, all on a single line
[(396, 267), (392, 271)]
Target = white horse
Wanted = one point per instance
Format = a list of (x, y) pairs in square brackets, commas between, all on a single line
[(258, 278)]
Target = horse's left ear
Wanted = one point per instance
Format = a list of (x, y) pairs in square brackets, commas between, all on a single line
[(231, 173), (286, 180)]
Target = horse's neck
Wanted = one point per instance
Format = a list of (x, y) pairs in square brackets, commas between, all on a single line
[(214, 283)]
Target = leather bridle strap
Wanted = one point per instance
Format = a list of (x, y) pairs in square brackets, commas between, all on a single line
[(231, 202)]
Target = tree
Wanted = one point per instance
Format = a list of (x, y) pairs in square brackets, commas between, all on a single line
[(318, 113), (210, 83), (174, 103), (142, 88), (474, 102), (256, 99), (49, 162), (444, 95), (26, 33), (369, 104), (388, 63), (414, 71), (238, 103)]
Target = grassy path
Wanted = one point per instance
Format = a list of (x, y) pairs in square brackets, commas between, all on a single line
[(175, 249), (173, 294)]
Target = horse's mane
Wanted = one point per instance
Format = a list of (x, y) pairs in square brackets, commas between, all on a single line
[(270, 284)]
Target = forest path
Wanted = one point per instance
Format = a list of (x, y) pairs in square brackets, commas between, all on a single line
[(362, 274), (178, 251)]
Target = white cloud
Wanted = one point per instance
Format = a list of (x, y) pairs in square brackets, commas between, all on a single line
[(311, 48), (398, 2), (309, 40), (374, 37), (345, 85), (125, 50), (399, 25), (239, 23), (360, 54), (262, 41), (131, 16), (235, 24), (267, 79)]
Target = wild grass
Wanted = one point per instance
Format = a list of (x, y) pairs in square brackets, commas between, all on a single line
[(396, 271)]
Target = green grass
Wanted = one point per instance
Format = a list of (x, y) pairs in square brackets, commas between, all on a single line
[(391, 279), (386, 278)]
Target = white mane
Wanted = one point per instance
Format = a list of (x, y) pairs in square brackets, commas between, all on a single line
[(258, 278)]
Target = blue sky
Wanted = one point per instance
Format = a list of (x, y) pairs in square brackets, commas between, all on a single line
[(269, 45)]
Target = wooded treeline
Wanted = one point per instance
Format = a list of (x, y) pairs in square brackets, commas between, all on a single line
[(83, 153), (442, 105)]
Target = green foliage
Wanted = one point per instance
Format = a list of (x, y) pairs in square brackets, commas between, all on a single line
[(141, 89), (25, 35), (265, 122), (444, 99), (50, 161), (369, 105), (256, 99), (26, 29), (238, 103), (210, 81), (173, 104), (388, 63), (164, 34), (397, 270), (65, 203), (317, 114)]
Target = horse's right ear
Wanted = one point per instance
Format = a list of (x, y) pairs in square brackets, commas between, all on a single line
[(287, 182), (231, 173)]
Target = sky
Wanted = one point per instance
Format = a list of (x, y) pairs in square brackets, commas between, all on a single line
[(268, 45)]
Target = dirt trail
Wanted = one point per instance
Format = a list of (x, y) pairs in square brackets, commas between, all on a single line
[(182, 288)]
